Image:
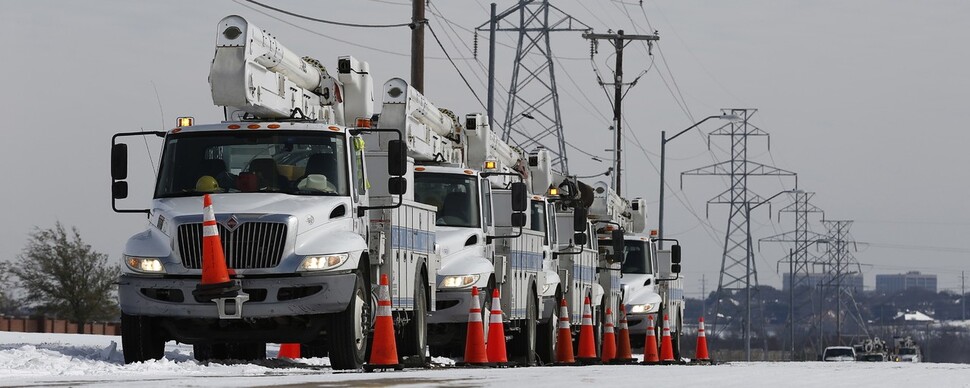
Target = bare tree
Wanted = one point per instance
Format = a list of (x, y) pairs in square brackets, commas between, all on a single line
[(63, 276)]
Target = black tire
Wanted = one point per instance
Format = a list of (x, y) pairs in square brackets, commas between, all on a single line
[(413, 337), (676, 336), (547, 336), (246, 351), (141, 340), (316, 348), (349, 331), (524, 347)]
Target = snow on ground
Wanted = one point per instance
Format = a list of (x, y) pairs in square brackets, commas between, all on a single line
[(32, 359)]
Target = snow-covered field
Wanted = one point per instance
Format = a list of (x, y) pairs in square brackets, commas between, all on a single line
[(29, 359)]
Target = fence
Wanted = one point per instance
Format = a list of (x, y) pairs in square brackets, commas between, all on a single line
[(51, 325)]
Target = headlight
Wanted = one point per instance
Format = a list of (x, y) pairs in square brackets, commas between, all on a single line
[(144, 264), (641, 308), (323, 262), (459, 281)]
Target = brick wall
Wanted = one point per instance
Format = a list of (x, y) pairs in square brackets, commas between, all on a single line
[(51, 325)]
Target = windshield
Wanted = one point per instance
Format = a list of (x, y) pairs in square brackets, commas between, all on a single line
[(838, 352), (455, 196), (907, 350), (636, 256), (302, 163)]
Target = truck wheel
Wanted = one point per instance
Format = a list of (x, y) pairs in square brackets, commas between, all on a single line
[(524, 347), (414, 335), (349, 331), (140, 339), (547, 337)]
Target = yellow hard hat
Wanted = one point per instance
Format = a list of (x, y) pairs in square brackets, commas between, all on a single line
[(207, 184)]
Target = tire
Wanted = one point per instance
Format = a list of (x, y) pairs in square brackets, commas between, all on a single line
[(524, 347), (246, 351), (349, 331), (140, 339), (546, 337), (413, 337)]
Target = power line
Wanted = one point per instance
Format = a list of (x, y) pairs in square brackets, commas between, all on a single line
[(470, 88), (313, 19)]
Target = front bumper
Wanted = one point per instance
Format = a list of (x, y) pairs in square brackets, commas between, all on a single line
[(637, 323), (453, 306), (269, 297)]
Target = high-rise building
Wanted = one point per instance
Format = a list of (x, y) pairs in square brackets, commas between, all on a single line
[(903, 281)]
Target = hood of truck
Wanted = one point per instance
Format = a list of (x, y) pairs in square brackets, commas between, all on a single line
[(315, 225), (310, 211), (462, 251), (636, 293)]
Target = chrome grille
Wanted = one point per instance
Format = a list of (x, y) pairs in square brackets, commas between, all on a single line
[(251, 245)]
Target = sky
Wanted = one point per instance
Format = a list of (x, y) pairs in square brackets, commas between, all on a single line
[(865, 100)]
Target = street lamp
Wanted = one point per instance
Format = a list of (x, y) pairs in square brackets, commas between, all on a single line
[(663, 160)]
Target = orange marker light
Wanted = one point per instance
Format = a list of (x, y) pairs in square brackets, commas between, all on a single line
[(363, 123), (233, 126), (333, 128), (273, 126), (419, 169), (253, 126)]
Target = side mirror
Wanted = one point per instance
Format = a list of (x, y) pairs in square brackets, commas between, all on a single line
[(675, 255), (579, 238), (397, 185), (119, 190), (119, 162), (675, 268), (520, 197), (518, 220), (618, 245), (579, 219), (397, 162)]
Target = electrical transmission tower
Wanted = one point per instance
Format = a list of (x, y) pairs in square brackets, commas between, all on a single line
[(799, 271), (533, 94), (737, 264), (841, 264)]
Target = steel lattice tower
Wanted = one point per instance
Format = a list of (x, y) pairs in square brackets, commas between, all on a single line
[(738, 270), (802, 238), (533, 93), (840, 263)]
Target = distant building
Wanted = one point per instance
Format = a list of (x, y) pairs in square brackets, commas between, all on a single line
[(903, 281), (852, 282)]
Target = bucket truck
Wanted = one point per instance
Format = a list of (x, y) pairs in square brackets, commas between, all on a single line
[(649, 279), (305, 236), (477, 184)]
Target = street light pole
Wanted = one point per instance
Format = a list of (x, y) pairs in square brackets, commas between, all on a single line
[(663, 162)]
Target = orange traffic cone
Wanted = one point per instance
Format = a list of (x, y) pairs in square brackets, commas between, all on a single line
[(666, 346), (564, 339), (289, 351), (215, 276), (650, 355), (701, 354), (624, 353), (496, 332), (475, 336), (587, 343), (608, 351), (383, 348)]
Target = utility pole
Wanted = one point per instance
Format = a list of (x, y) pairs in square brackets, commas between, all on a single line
[(619, 41), (703, 295), (417, 45), (491, 68), (963, 293), (839, 261), (738, 270)]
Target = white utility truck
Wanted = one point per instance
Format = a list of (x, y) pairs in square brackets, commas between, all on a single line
[(474, 180), (649, 278), (305, 237)]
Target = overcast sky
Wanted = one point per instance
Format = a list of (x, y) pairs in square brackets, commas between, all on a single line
[(865, 100)]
